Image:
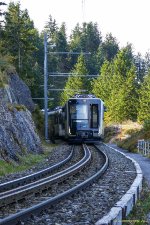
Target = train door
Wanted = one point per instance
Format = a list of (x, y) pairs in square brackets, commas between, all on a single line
[(94, 116)]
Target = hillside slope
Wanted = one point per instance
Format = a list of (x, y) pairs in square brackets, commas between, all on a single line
[(17, 130)]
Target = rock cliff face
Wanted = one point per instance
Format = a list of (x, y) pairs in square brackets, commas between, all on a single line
[(19, 92), (17, 130)]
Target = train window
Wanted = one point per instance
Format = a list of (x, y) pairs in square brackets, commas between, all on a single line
[(78, 114), (79, 111), (94, 116)]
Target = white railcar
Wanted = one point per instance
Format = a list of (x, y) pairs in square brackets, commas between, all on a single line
[(79, 120)]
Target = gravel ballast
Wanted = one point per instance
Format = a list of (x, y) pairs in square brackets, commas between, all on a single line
[(88, 206)]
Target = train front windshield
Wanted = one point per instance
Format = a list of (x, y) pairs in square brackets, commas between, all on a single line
[(78, 113)]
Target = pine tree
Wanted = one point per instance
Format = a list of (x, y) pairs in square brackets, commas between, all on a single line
[(116, 86), (141, 67), (75, 83), (127, 97), (19, 35), (102, 85), (144, 100), (62, 46), (146, 63), (51, 28), (109, 48), (122, 102), (57, 62), (2, 12), (22, 41), (86, 39)]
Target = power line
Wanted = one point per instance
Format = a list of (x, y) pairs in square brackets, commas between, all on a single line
[(72, 74), (70, 53), (43, 98), (63, 89)]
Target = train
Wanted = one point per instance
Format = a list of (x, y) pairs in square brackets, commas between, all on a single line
[(81, 119)]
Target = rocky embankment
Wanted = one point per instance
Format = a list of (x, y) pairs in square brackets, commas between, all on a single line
[(17, 129)]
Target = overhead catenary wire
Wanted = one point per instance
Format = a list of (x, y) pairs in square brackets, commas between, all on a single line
[(63, 89), (72, 74), (70, 53)]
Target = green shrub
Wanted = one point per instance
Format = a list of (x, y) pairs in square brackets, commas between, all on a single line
[(6, 64), (146, 125), (18, 107), (3, 79), (131, 142), (5, 68), (131, 131), (110, 132), (38, 118), (10, 107), (25, 162)]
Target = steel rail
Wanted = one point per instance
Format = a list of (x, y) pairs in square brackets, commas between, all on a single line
[(23, 215), (38, 186), (34, 176)]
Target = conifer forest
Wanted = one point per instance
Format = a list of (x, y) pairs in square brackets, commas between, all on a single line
[(116, 75)]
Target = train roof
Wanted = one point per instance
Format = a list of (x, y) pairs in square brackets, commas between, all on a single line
[(83, 96), (57, 109)]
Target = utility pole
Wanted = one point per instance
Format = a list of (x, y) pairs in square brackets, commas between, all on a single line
[(45, 87), (46, 80)]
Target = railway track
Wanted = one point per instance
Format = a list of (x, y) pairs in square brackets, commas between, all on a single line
[(35, 176), (70, 180)]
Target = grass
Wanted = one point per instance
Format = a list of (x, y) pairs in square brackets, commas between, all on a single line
[(138, 216), (26, 162), (130, 143), (18, 107), (3, 78), (127, 134), (111, 133), (38, 119), (116, 132)]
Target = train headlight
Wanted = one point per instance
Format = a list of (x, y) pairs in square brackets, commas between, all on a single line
[(99, 131), (69, 130)]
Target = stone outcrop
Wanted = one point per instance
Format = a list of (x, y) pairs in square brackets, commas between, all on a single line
[(17, 130), (20, 92)]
